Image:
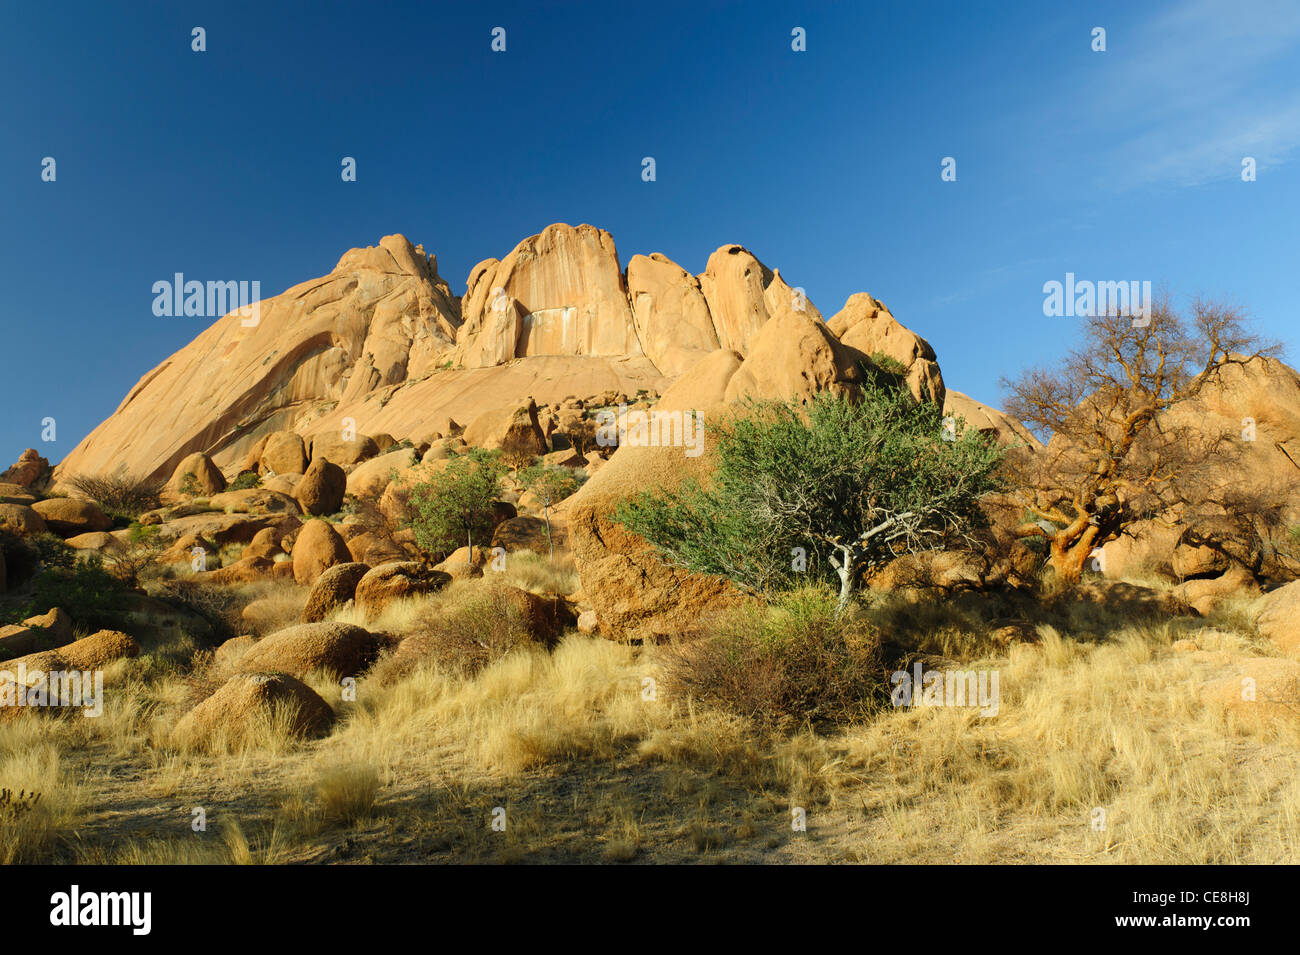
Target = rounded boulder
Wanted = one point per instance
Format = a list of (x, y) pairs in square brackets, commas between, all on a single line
[(244, 704), (333, 588), (321, 489), (317, 548), (395, 580), (340, 649)]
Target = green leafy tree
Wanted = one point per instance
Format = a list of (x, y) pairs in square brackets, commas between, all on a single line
[(456, 503), (518, 451), (550, 485), (828, 490)]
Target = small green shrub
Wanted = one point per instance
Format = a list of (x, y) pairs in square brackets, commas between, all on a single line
[(90, 594), (788, 662), (245, 481)]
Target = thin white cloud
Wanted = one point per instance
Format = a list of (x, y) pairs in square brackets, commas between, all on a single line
[(1187, 94)]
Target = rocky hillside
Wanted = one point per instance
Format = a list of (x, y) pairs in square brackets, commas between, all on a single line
[(382, 347)]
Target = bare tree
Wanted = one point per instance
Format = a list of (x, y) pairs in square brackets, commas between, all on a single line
[(1115, 455)]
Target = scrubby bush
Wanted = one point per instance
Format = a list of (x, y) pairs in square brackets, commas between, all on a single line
[(90, 594), (27, 556), (119, 495), (245, 481), (221, 606), (132, 562), (471, 628), (790, 661)]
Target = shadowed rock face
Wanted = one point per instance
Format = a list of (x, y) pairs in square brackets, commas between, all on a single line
[(380, 346)]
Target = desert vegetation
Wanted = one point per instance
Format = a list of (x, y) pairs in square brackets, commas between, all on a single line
[(865, 619)]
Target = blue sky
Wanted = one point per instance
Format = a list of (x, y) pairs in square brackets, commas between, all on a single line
[(825, 163)]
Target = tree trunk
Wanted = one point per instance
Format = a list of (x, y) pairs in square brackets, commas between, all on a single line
[(546, 512), (1070, 557), (844, 568)]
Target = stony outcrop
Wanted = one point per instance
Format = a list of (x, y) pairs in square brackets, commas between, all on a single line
[(195, 476), (393, 581), (321, 489), (339, 649), (560, 292), (990, 422), (332, 590), (30, 471), (246, 703), (383, 316), (867, 327), (380, 347), (672, 317), (317, 547)]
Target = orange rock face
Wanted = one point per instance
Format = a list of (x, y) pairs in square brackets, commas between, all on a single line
[(380, 347), (381, 317)]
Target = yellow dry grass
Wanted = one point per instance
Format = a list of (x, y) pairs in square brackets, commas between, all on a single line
[(1101, 752)]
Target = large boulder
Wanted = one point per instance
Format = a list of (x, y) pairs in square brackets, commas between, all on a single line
[(317, 547), (1279, 617), (265, 543), (321, 489), (461, 564), (1145, 547), (529, 533), (338, 649), (249, 570), (393, 581), (96, 542), (29, 471), (369, 478), (867, 327), (375, 549), (193, 549), (332, 590), (283, 453), (243, 706), (342, 448), (21, 520), (195, 476), (47, 631), (89, 653), (67, 517), (508, 426)]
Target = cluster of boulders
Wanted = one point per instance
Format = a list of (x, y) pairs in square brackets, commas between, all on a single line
[(269, 672), (274, 446), (29, 507), (40, 646)]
